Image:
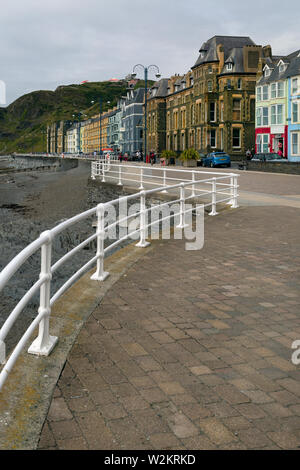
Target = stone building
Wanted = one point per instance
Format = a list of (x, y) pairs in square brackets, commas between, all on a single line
[(212, 106), (156, 116)]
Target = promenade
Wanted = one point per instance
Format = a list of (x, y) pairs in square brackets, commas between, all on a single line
[(192, 349)]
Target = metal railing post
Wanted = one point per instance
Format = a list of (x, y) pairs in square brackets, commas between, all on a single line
[(93, 171), (120, 176), (230, 202), (164, 180), (103, 172), (44, 343), (100, 274), (235, 193), (142, 179), (182, 223), (143, 243), (193, 185), (214, 198)]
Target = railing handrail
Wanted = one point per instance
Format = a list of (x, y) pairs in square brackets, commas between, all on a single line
[(44, 343)]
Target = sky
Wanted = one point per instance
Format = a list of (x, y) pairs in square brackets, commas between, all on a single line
[(44, 44)]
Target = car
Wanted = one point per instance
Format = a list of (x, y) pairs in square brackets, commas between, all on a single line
[(216, 159), (268, 157), (201, 158)]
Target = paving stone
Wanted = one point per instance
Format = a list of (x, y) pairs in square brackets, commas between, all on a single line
[(59, 410), (216, 431), (200, 368)]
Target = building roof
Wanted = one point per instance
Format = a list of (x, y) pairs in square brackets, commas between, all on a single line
[(292, 62), (208, 50), (161, 87)]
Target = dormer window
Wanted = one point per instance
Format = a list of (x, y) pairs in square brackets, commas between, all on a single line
[(282, 68), (267, 72), (229, 66)]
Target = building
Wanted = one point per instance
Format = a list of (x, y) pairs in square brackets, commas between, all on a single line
[(73, 138), (224, 79), (271, 130), (132, 121), (277, 106), (156, 116), (293, 76)]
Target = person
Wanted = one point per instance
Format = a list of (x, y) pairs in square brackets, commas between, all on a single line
[(252, 152), (280, 153), (152, 158), (248, 154)]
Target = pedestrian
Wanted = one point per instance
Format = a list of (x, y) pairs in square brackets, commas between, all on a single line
[(248, 154)]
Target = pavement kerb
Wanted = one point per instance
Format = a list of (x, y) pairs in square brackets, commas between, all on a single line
[(26, 396)]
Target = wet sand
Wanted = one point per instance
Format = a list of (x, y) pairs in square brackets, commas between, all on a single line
[(31, 202)]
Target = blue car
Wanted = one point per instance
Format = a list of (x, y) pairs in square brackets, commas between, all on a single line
[(216, 159)]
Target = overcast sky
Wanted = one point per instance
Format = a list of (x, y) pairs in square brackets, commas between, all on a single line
[(44, 44)]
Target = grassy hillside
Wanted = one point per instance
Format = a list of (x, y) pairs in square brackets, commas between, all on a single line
[(23, 123)]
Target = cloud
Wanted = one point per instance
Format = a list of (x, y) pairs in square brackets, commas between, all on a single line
[(46, 44)]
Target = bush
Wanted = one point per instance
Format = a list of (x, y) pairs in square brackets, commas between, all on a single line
[(168, 154), (189, 154)]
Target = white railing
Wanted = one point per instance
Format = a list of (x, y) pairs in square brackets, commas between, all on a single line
[(111, 171), (44, 343)]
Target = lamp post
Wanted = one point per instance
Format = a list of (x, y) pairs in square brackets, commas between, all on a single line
[(100, 122), (133, 75)]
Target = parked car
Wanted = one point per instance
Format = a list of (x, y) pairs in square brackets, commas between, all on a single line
[(201, 158), (267, 157), (216, 159)]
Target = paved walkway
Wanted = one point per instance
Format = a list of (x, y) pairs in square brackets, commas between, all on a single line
[(192, 349)]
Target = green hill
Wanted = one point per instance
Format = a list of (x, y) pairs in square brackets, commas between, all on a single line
[(23, 123)]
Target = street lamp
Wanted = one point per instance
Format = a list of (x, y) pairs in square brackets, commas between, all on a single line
[(133, 75), (100, 122)]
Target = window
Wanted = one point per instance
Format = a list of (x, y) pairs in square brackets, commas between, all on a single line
[(239, 84), (262, 143), (222, 111), (236, 138), (277, 114), (258, 117), (280, 89), (229, 84), (236, 110), (212, 111), (282, 68), (258, 93), (267, 72), (265, 117), (295, 143), (212, 140), (229, 66), (273, 90), (294, 86), (295, 112), (209, 85), (210, 69), (265, 92)]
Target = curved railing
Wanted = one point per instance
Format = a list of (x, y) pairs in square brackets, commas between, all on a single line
[(222, 184)]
